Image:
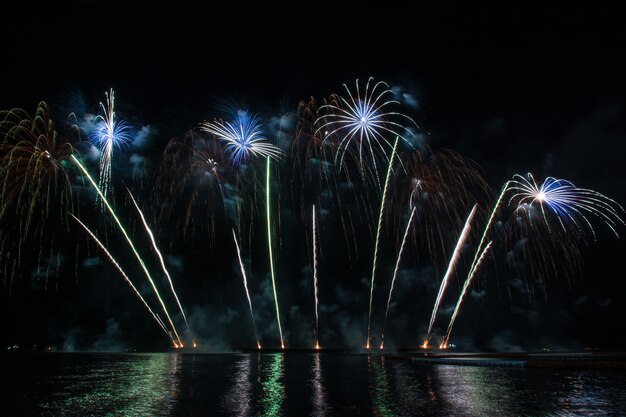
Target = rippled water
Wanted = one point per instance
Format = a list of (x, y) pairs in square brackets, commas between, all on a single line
[(294, 384)]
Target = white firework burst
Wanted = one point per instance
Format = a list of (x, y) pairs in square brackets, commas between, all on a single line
[(566, 201), (365, 118), (243, 137), (108, 132)]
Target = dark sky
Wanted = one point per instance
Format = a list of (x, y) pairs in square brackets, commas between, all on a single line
[(517, 89)]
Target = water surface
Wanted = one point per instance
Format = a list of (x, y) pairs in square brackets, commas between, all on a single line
[(294, 384)]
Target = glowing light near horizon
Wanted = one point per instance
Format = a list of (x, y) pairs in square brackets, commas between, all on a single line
[(243, 137)]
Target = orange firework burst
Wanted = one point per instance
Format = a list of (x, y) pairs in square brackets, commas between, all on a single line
[(34, 181), (442, 186), (192, 176)]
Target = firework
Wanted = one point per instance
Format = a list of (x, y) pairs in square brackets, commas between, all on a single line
[(446, 338), (269, 247), (193, 175), (130, 243), (551, 220), (128, 281), (395, 273), (453, 261), (317, 342), (243, 138), (312, 159), (488, 226), (107, 134), (34, 181), (158, 252), (365, 118), (566, 201), (309, 146), (378, 229), (245, 286), (442, 186)]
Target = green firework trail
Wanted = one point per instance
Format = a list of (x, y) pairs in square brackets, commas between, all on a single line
[(269, 247), (380, 222)]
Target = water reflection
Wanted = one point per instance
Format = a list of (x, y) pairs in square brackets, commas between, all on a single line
[(137, 386), (581, 399), (380, 391), (473, 390), (317, 385), (320, 405), (272, 386), (239, 398)]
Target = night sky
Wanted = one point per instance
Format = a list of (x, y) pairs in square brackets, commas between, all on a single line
[(521, 89)]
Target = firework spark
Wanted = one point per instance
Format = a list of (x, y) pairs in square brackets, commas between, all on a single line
[(128, 281), (243, 137), (245, 286), (269, 247), (365, 118), (453, 261), (446, 338), (443, 186), (107, 134), (130, 243), (395, 274), (566, 201), (488, 226), (378, 229), (34, 181), (317, 342), (158, 252)]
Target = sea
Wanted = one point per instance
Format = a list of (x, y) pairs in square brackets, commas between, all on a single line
[(294, 384)]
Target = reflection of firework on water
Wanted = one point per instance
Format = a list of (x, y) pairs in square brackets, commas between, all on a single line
[(453, 262), (128, 281), (34, 181), (365, 120), (108, 133), (442, 185), (243, 138)]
